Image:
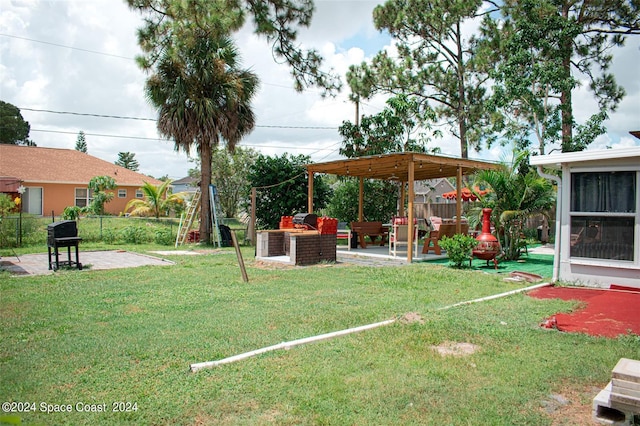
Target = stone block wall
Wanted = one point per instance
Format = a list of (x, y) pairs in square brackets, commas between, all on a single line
[(311, 249)]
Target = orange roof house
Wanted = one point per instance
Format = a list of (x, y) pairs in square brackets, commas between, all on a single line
[(57, 178)]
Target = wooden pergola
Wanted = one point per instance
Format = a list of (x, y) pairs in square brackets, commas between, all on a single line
[(406, 167)]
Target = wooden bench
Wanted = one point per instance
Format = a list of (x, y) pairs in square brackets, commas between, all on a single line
[(446, 230), (371, 229)]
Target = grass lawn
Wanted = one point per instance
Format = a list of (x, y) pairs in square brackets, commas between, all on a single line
[(129, 335)]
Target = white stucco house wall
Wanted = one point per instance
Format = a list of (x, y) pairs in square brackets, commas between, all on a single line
[(598, 208), (186, 184)]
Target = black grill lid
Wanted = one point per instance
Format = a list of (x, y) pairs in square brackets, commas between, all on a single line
[(62, 229), (308, 219)]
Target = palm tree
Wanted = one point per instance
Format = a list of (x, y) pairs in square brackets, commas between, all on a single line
[(202, 96), (517, 193), (157, 200)]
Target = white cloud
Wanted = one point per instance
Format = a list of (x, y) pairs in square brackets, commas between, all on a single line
[(41, 73)]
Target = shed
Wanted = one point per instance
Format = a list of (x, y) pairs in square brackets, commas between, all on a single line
[(598, 216)]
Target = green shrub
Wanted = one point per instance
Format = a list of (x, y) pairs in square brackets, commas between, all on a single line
[(7, 205), (33, 231), (458, 248), (71, 213), (108, 236), (164, 237), (134, 235)]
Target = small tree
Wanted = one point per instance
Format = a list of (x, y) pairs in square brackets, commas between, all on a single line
[(398, 128), (81, 143), (229, 173), (379, 205), (100, 185), (127, 160)]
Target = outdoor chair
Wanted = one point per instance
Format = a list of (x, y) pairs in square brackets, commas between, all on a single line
[(399, 235), (344, 233), (445, 230), (435, 222)]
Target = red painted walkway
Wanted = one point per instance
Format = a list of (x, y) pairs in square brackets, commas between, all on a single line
[(607, 313)]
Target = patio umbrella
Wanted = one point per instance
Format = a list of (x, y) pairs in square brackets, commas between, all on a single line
[(467, 194)]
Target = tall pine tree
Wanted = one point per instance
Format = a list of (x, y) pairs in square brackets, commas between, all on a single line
[(81, 143)]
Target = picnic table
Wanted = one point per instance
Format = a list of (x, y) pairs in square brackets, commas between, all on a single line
[(373, 230)]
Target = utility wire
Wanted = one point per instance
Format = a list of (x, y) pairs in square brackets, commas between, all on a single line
[(119, 56), (167, 140), (67, 47), (119, 117)]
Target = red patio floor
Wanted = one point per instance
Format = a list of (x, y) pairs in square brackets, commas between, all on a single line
[(606, 313)]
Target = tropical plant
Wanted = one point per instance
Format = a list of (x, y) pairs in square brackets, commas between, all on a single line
[(157, 201), (71, 213), (202, 96), (517, 192), (100, 185)]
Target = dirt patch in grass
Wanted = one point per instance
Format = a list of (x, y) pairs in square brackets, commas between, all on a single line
[(456, 348), (411, 317), (570, 406), (270, 265)]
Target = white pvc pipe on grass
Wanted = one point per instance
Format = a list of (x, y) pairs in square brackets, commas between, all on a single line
[(288, 345)]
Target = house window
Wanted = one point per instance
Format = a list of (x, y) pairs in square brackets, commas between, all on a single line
[(122, 193), (139, 193), (32, 201), (604, 215), (84, 196)]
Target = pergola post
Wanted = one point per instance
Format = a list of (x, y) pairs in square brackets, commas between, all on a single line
[(310, 192), (411, 172), (361, 200), (403, 196), (459, 200)]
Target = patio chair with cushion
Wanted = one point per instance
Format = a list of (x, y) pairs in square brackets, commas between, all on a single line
[(435, 222), (445, 230), (344, 233), (399, 235)]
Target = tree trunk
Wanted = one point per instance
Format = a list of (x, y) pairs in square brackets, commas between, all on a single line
[(205, 180), (462, 112), (565, 97)]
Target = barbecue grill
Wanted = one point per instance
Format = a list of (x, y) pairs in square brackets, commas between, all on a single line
[(63, 234), (305, 221)]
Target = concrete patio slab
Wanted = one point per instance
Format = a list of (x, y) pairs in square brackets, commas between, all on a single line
[(38, 264)]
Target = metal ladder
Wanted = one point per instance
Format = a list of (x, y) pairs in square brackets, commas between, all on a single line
[(214, 201), (186, 218)]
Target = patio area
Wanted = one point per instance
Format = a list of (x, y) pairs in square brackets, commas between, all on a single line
[(539, 259), (382, 252)]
